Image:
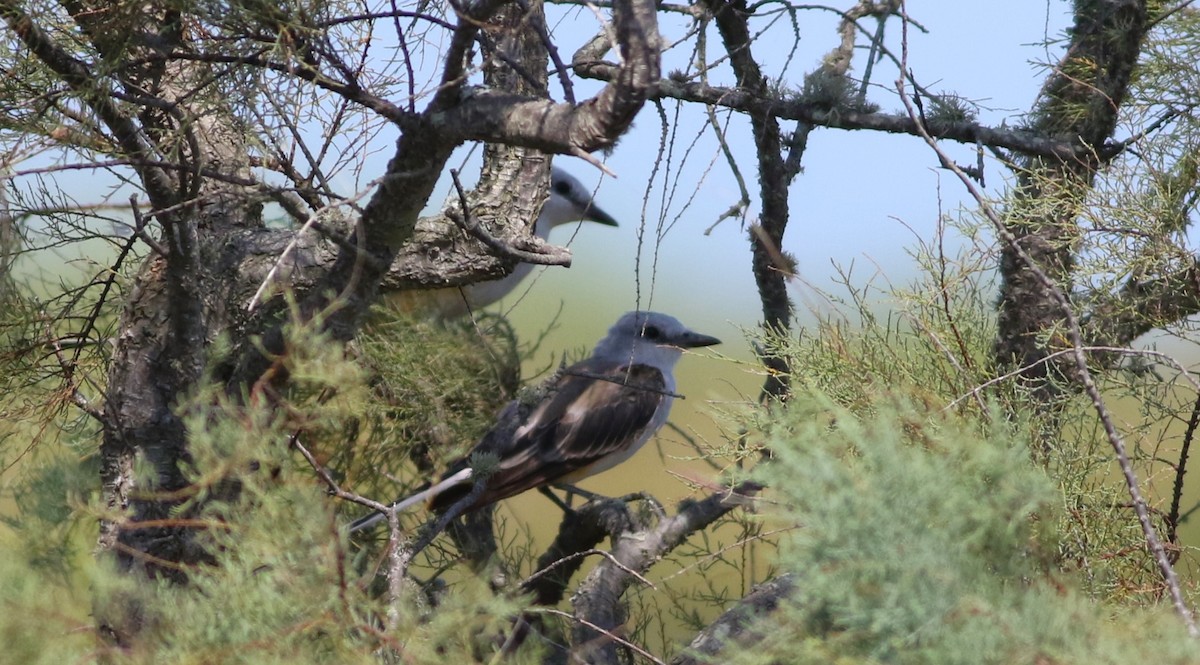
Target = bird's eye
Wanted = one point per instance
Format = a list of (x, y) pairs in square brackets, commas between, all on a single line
[(561, 187), (651, 332)]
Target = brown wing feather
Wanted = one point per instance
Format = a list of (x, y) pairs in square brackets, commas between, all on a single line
[(583, 421)]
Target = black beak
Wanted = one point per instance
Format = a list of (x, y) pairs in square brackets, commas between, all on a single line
[(595, 214), (692, 340)]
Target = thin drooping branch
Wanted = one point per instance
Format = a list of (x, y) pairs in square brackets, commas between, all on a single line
[(348, 91), (1082, 374), (81, 79)]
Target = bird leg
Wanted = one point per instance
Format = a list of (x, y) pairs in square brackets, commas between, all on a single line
[(566, 507), (574, 490)]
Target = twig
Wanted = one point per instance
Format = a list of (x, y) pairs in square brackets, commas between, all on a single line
[(68, 370), (560, 69), (115, 270), (587, 157), (139, 228), (332, 484), (1077, 353), (740, 206), (1062, 352), (949, 356), (578, 555), (1172, 518), (605, 633)]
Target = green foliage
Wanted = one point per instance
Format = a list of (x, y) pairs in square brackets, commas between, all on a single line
[(434, 389), (283, 585), (949, 107), (924, 539), (43, 618), (931, 338)]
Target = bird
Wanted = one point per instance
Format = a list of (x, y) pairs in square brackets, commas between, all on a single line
[(569, 201), (597, 413)]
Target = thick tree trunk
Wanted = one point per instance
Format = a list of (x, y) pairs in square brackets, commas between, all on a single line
[(1081, 99)]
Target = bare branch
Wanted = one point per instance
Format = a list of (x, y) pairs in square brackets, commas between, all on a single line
[(774, 177), (1024, 141)]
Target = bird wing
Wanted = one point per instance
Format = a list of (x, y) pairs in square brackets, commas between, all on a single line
[(597, 409)]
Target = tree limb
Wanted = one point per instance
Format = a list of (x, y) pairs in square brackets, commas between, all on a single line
[(598, 600), (1024, 141), (736, 627)]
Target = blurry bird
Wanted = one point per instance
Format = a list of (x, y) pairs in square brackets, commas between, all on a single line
[(569, 201), (597, 414)]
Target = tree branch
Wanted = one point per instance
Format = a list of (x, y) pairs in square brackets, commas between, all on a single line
[(1142, 305), (1024, 141), (1081, 100), (736, 625), (771, 268), (79, 77), (1055, 296), (597, 602)]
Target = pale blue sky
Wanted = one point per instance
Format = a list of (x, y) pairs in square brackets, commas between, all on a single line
[(863, 197), (859, 201)]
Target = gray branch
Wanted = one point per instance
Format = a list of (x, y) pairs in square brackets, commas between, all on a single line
[(1024, 141), (598, 600), (737, 625)]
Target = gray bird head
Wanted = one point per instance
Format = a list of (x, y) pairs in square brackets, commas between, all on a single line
[(649, 338), (569, 202)]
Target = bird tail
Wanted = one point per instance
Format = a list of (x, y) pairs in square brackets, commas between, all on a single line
[(427, 494), (365, 522)]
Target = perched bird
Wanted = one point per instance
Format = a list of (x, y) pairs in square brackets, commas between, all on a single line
[(597, 414), (569, 201)]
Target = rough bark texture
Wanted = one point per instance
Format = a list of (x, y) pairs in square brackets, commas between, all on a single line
[(597, 603), (1082, 98)]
